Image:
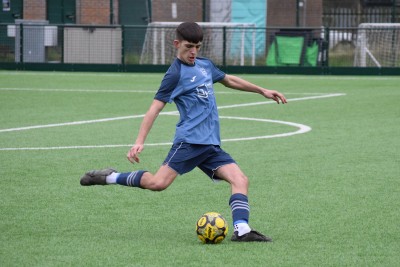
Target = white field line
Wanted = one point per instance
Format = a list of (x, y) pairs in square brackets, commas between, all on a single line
[(162, 113), (68, 123), (63, 90), (301, 128), (74, 147), (267, 76), (289, 100), (149, 91)]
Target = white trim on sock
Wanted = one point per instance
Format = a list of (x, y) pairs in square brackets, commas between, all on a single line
[(112, 178), (242, 228)]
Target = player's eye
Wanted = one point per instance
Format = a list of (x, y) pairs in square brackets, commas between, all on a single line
[(191, 46)]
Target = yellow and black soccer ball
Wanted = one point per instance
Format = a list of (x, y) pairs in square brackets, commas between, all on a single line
[(211, 228)]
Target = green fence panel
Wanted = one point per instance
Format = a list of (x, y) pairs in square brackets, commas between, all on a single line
[(286, 51)]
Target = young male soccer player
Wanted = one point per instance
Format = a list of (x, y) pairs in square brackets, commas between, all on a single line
[(189, 83)]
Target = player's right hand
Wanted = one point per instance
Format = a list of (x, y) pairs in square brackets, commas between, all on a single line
[(133, 153)]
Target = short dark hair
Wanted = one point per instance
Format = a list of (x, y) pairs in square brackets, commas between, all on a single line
[(189, 31)]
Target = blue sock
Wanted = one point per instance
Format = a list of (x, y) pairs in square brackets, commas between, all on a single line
[(240, 208), (130, 178)]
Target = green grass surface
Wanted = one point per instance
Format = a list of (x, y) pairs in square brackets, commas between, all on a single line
[(328, 197)]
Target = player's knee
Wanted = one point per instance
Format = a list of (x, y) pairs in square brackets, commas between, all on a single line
[(155, 182), (241, 181), (158, 186), (245, 181)]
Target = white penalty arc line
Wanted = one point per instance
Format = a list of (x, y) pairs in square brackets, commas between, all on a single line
[(162, 113), (301, 129)]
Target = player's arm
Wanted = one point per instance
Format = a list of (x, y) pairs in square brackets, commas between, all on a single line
[(237, 83), (151, 115)]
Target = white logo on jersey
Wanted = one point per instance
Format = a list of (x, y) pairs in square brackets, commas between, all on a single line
[(202, 93), (204, 72), (194, 78), (203, 90)]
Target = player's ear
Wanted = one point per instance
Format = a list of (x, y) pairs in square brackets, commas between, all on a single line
[(177, 43)]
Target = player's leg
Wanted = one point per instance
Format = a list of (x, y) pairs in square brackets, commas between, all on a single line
[(160, 180), (239, 204), (238, 201), (233, 175), (177, 162), (142, 179)]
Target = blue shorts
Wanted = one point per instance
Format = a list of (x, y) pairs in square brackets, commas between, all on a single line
[(184, 157)]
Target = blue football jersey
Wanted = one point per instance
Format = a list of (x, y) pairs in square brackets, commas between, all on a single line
[(190, 87)]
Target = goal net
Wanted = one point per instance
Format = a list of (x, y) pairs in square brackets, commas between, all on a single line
[(378, 45), (231, 43)]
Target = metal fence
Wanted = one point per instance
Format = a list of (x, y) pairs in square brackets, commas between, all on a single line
[(352, 17), (39, 42)]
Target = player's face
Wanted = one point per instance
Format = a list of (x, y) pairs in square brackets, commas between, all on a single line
[(187, 51)]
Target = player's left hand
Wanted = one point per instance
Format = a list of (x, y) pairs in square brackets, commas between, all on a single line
[(133, 153), (275, 95)]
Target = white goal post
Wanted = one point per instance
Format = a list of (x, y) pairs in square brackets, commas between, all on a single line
[(378, 45), (239, 46)]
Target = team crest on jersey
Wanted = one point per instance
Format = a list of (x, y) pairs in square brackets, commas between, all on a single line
[(203, 71)]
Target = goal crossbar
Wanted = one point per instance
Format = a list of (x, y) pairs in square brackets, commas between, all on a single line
[(159, 35)]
